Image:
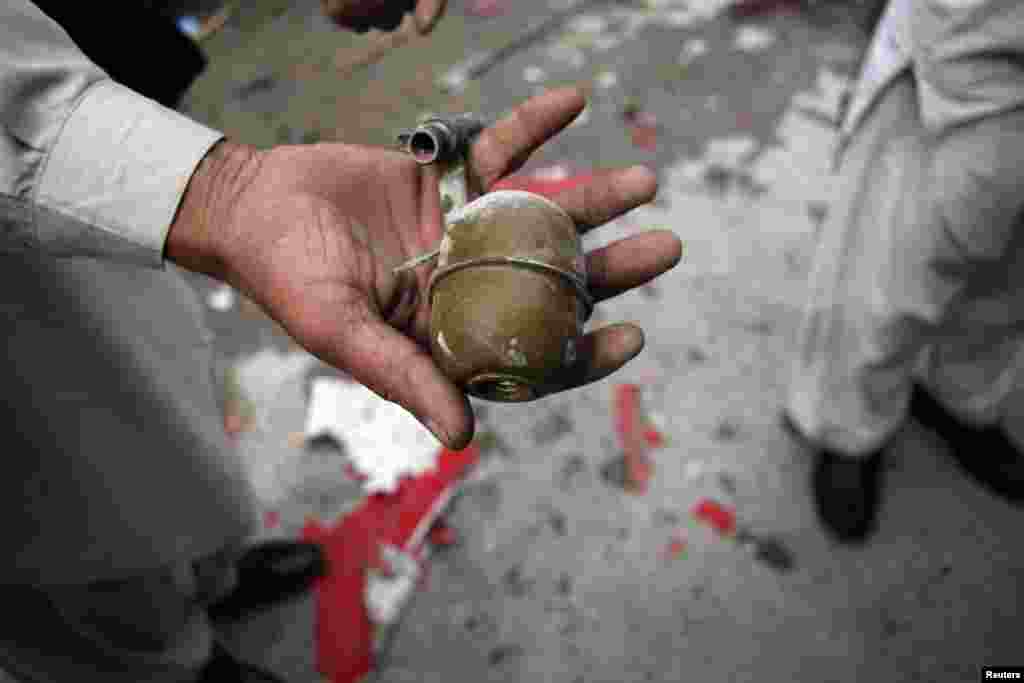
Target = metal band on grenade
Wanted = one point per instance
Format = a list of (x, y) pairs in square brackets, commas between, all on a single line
[(574, 280)]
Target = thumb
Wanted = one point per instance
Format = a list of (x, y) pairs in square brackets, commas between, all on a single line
[(396, 368)]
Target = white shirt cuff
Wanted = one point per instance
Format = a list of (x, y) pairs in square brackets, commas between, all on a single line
[(119, 168)]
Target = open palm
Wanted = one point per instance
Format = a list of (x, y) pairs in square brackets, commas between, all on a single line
[(315, 232)]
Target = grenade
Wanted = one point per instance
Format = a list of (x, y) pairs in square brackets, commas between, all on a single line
[(509, 295)]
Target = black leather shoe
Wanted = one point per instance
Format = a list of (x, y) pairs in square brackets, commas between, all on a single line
[(224, 667), (985, 453), (847, 493), (846, 490), (269, 573)]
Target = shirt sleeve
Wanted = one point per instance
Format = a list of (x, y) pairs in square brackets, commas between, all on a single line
[(87, 166)]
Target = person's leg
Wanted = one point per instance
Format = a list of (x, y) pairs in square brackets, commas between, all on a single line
[(974, 360), (869, 305), (149, 628), (917, 254)]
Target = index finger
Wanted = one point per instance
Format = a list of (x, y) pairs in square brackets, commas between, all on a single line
[(505, 146)]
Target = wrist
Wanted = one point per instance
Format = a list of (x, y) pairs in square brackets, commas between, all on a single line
[(195, 240)]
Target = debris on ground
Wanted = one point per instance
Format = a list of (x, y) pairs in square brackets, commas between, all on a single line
[(726, 431), (664, 517), (514, 583), (567, 55), (643, 127), (630, 427), (271, 519), (727, 483), (742, 9), (557, 521), (534, 74), (721, 518), (606, 79), (692, 49), (695, 354), (442, 536), (573, 466), (551, 428), (381, 440), (477, 64), (753, 39), (773, 553), (488, 9), (733, 151), (613, 472), (499, 654), (675, 549), (768, 550), (221, 298), (256, 85), (376, 556), (490, 442)]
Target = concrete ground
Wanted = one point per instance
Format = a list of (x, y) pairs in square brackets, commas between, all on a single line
[(561, 575)]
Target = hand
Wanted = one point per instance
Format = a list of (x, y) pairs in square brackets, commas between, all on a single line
[(385, 15), (312, 233)]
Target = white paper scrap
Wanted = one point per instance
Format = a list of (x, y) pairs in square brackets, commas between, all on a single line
[(222, 298), (382, 440), (753, 39)]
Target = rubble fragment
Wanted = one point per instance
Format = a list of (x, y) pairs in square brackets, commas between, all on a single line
[(514, 583), (613, 472), (675, 549), (773, 553), (753, 39), (753, 8), (221, 298), (534, 74), (499, 654), (557, 521), (375, 554), (695, 354), (381, 439), (726, 431), (606, 79), (259, 84), (551, 428), (721, 518), (487, 9), (692, 49), (629, 426), (573, 466), (644, 131), (727, 482)]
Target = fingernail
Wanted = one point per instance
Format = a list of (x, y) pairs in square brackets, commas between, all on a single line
[(638, 174), (441, 435)]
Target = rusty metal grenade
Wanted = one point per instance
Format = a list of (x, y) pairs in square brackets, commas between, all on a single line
[(508, 296)]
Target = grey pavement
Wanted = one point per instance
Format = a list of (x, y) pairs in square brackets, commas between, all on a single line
[(560, 575)]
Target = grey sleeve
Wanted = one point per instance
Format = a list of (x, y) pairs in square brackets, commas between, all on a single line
[(87, 166)]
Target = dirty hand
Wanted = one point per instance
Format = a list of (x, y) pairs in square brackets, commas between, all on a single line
[(312, 233), (385, 15)]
